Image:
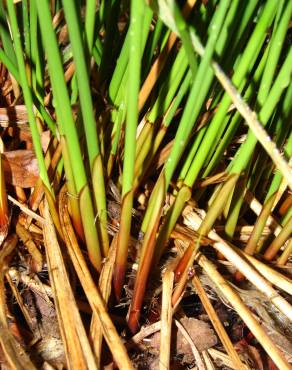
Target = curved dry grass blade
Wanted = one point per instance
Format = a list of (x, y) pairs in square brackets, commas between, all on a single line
[(14, 353), (94, 298), (218, 326), (244, 313), (166, 320), (77, 348)]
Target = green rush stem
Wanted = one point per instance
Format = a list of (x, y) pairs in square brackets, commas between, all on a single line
[(116, 137), (170, 86), (150, 48), (246, 149), (280, 240), (236, 204), (122, 62), (63, 108), (244, 24), (9, 65), (145, 263), (118, 84), (158, 195), (163, 105), (258, 228), (27, 96), (282, 260), (72, 193), (236, 120), (89, 23), (111, 30), (83, 81), (209, 220), (277, 179), (164, 98), (193, 105), (39, 105), (68, 128), (36, 52), (26, 28), (245, 64), (135, 56), (145, 156), (273, 53), (88, 120), (5, 36), (191, 154), (195, 99), (286, 115), (185, 38), (276, 45)]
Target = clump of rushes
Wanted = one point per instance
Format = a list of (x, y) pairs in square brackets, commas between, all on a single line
[(188, 119), (168, 101), (68, 129)]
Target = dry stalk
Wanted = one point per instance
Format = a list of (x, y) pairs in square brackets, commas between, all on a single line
[(219, 328), (95, 300), (235, 301), (105, 284), (77, 348), (253, 276), (143, 333), (223, 358), (244, 267), (274, 277), (26, 210), (166, 319)]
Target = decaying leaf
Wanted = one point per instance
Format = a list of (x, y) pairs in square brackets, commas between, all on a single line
[(200, 332), (20, 168)]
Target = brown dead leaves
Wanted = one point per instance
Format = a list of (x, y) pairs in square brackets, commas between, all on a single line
[(20, 168)]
